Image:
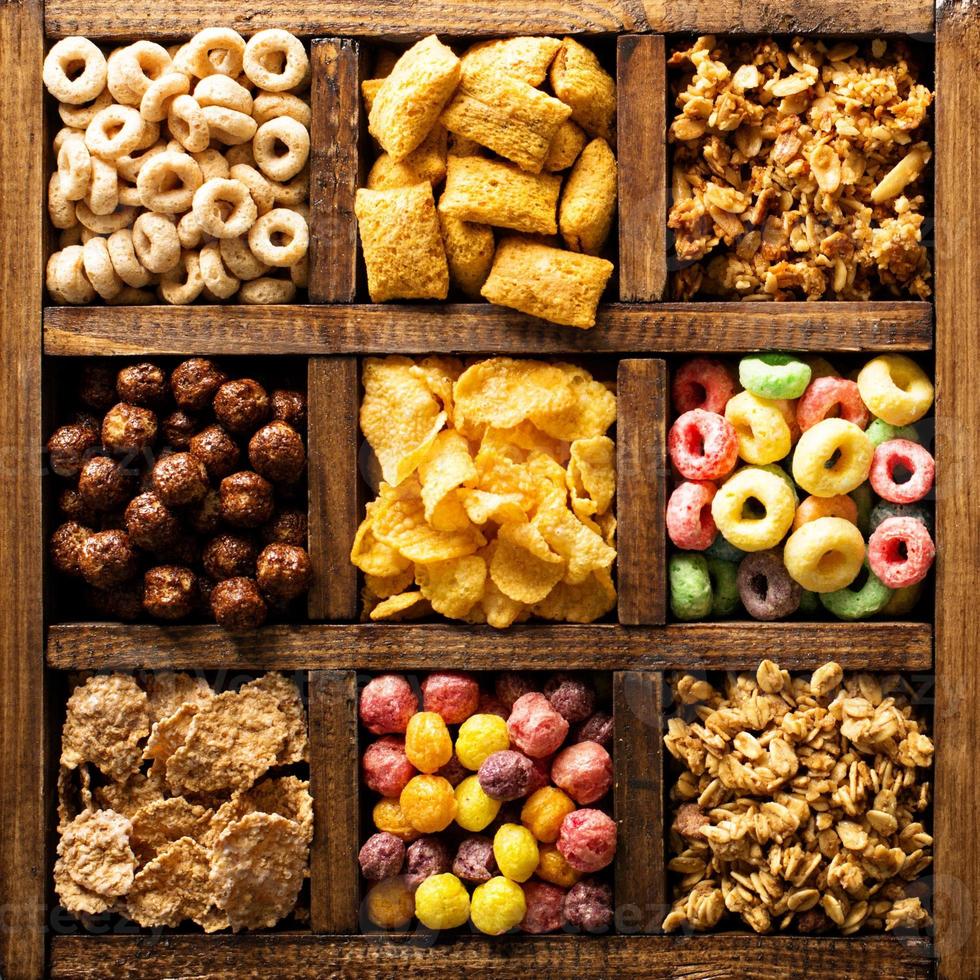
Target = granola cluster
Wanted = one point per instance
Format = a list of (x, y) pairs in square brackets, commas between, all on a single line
[(798, 170), (798, 804)]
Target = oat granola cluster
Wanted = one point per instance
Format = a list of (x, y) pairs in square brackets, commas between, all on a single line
[(799, 802), (798, 170)]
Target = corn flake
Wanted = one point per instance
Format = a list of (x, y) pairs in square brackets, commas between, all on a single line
[(95, 854), (405, 605), (162, 822), (523, 567), (168, 690), (447, 466), (287, 695), (174, 886), (453, 587), (592, 472)]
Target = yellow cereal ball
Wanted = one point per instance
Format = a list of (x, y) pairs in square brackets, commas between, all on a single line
[(480, 736), (544, 811), (390, 903), (441, 902), (497, 906), (428, 803), (553, 867), (427, 742), (516, 851), (474, 809), (895, 389), (387, 815)]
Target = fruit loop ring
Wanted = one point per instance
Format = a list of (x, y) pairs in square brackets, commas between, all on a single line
[(275, 60), (65, 276), (215, 50), (737, 505), (133, 69), (103, 190), (763, 434), (832, 458), (831, 398), (156, 243), (702, 383), (224, 208), (896, 389), (884, 510), (703, 445), (774, 375), (188, 124), (765, 587), (901, 552), (689, 521), (240, 262), (183, 284), (853, 604), (690, 586), (283, 224), (67, 55), (282, 131), (223, 91), (880, 431), (114, 132), (79, 116), (229, 126), (266, 291), (914, 459), (724, 586), (74, 168), (123, 255), (97, 264), (824, 555), (157, 177), (156, 101), (813, 508)]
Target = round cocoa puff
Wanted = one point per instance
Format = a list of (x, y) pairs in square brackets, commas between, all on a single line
[(283, 572), (128, 428), (66, 545), (289, 406), (242, 405), (180, 479), (571, 697), (142, 384), (474, 859), (122, 602), (150, 524), (205, 516), (237, 604), (194, 383), (216, 450), (97, 387), (68, 447), (426, 857), (276, 452), (71, 504), (246, 499), (588, 905), (506, 775), (107, 559), (287, 527), (178, 428), (170, 592), (229, 556), (87, 420), (381, 856), (103, 484)]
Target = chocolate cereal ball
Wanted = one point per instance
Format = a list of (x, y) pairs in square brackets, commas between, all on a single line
[(381, 856), (572, 698), (169, 592), (205, 516), (241, 406), (276, 452), (283, 571), (71, 504), (66, 547), (121, 602), (68, 446), (142, 384), (178, 428), (97, 387), (287, 527), (216, 450), (107, 559), (506, 775), (194, 383), (229, 556), (128, 428), (474, 859), (103, 484), (290, 407), (149, 522), (180, 479), (246, 499), (237, 604)]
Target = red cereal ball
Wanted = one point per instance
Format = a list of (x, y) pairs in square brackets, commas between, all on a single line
[(506, 775), (490, 704), (452, 694), (511, 685), (588, 905), (474, 859), (570, 696), (703, 445), (598, 728), (689, 521), (535, 727), (827, 398), (385, 766), (541, 773), (545, 904), (381, 856), (901, 552), (916, 464), (703, 383), (587, 839), (387, 702), (584, 771)]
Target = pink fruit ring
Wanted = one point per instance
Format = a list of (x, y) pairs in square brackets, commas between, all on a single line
[(703, 445), (702, 383), (916, 460), (827, 398), (901, 552), (689, 521)]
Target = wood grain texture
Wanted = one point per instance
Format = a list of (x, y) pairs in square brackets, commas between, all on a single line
[(23, 762), (706, 646), (640, 475), (333, 782), (334, 170), (481, 328), (334, 486), (722, 957), (641, 875), (957, 721), (641, 95)]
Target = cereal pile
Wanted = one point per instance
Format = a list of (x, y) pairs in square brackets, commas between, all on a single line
[(860, 544), (496, 491), (799, 802), (181, 168), (165, 514), (798, 170), (203, 833), (511, 801), (483, 127)]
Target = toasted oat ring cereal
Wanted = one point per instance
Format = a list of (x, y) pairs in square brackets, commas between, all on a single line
[(824, 555), (215, 50), (831, 398), (275, 60), (74, 168), (291, 134), (157, 176), (114, 132), (61, 211), (65, 276), (283, 223), (832, 458), (762, 431), (155, 241), (104, 224), (901, 552), (292, 192), (212, 163), (774, 375), (124, 261), (913, 458), (765, 587), (182, 284), (271, 105), (98, 268), (239, 259), (189, 232), (67, 54), (702, 383), (216, 277), (133, 69), (129, 165), (224, 91), (896, 389), (753, 487), (212, 201), (840, 505), (156, 101), (853, 604), (188, 124), (258, 186), (703, 445), (689, 521), (79, 116), (103, 189), (267, 291), (229, 126)]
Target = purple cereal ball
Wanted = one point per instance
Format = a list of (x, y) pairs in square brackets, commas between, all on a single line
[(597, 728), (474, 859), (510, 686), (506, 775), (765, 587), (490, 704), (588, 905), (427, 856), (381, 856), (572, 698), (544, 904), (454, 771)]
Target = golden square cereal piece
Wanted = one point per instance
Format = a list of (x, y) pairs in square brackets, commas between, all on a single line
[(581, 82), (563, 287), (402, 246), (512, 118), (460, 146), (369, 92), (410, 99), (588, 202), (492, 193), (565, 147), (469, 250), (526, 58), (425, 163)]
